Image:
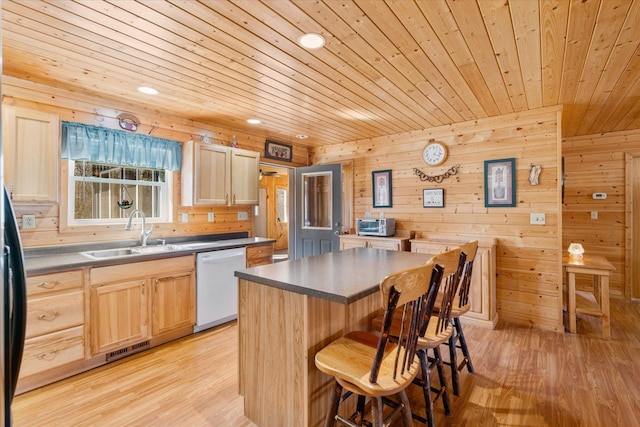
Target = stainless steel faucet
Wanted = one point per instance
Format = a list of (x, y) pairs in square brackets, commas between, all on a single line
[(144, 235)]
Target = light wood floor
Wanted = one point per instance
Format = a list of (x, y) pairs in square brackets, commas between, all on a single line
[(524, 377)]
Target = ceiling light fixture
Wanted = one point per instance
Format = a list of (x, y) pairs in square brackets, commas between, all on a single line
[(253, 121), (311, 41), (147, 90), (302, 136)]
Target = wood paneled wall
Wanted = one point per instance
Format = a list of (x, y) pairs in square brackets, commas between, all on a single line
[(601, 163), (76, 107), (529, 272)]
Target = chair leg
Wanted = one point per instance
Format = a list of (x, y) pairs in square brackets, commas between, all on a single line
[(426, 387), (453, 361), (407, 417), (463, 346), (330, 421), (376, 411), (443, 381)]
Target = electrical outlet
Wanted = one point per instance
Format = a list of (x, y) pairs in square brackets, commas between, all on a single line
[(210, 217), (28, 222), (243, 216), (185, 217), (538, 218), (594, 214)]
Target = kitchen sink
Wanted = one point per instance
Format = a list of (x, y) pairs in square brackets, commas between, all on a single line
[(138, 250), (109, 253), (155, 249)]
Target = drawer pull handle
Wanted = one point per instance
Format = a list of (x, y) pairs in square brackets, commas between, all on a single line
[(48, 356), (49, 316), (48, 285)]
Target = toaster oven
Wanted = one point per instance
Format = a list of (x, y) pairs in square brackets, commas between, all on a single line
[(376, 227)]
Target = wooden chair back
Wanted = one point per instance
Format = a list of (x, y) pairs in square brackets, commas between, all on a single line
[(469, 249), (412, 291), (451, 261)]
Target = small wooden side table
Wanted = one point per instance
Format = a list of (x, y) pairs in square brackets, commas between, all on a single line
[(600, 268)]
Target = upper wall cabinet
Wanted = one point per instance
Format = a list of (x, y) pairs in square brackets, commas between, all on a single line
[(31, 154), (218, 175)]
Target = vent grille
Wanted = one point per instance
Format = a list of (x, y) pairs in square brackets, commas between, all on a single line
[(127, 351)]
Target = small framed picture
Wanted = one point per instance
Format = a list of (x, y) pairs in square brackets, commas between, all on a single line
[(500, 183), (277, 151), (433, 198), (381, 181)]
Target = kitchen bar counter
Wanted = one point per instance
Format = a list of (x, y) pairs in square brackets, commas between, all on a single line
[(289, 311), (342, 277)]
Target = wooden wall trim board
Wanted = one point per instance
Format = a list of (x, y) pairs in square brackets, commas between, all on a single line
[(529, 271), (71, 106)]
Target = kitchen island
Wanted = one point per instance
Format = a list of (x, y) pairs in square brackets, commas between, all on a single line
[(288, 312)]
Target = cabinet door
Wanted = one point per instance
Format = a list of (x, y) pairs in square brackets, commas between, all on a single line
[(31, 154), (173, 304), (391, 245), (259, 255), (245, 179), (352, 242), (212, 165), (118, 315)]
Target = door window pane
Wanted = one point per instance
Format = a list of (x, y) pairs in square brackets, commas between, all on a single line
[(317, 202)]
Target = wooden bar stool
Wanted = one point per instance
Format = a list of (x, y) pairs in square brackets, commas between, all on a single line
[(461, 306), (436, 331), (370, 366)]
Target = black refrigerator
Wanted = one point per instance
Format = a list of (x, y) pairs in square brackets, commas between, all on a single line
[(13, 318)]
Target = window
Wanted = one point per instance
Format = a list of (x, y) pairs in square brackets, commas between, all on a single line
[(100, 193)]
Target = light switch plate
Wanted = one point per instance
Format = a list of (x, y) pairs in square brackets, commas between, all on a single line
[(185, 217), (538, 218), (243, 216), (210, 217), (28, 222), (594, 214)]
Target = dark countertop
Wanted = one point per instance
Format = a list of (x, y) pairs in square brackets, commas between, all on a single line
[(62, 258), (342, 277)]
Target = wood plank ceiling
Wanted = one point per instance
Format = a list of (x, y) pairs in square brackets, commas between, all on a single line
[(387, 66)]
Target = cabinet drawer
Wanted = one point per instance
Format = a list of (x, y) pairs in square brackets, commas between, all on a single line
[(52, 350), (47, 283), (53, 313), (259, 255)]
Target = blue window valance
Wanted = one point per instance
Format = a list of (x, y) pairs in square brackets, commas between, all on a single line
[(116, 147)]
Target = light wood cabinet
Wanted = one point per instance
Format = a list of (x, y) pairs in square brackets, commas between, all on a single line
[(259, 255), (124, 298), (173, 303), (218, 175), (482, 293), (31, 154), (348, 241), (118, 315), (55, 334)]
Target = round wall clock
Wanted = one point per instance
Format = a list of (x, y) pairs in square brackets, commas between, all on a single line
[(435, 153)]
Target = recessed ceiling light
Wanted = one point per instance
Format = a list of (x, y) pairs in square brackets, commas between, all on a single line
[(311, 41), (302, 136), (147, 90), (253, 121)]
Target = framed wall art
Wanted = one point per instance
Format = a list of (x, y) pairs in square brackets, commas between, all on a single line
[(277, 151), (381, 181), (500, 183), (433, 198)]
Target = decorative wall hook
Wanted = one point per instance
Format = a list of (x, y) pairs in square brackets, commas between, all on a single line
[(534, 173)]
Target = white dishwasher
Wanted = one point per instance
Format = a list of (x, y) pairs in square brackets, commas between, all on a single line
[(217, 287)]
